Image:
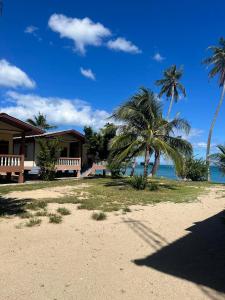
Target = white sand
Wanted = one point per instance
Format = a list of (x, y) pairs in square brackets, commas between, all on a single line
[(85, 259)]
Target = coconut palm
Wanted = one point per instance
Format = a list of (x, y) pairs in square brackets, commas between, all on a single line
[(219, 158), (40, 121), (217, 61), (170, 85), (144, 131)]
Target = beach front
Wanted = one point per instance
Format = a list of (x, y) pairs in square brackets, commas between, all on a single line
[(163, 251)]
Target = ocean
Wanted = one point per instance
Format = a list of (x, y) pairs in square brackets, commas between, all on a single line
[(168, 171)]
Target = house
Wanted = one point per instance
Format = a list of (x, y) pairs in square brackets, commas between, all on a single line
[(72, 156), (10, 127), (19, 149)]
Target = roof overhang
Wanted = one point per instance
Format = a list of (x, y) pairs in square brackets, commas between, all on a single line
[(24, 127)]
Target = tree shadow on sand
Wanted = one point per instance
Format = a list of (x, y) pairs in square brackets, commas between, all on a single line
[(198, 257), (12, 206)]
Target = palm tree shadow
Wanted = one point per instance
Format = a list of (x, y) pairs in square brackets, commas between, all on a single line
[(12, 206), (198, 257)]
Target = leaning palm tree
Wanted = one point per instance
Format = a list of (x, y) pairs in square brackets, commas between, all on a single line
[(170, 85), (219, 158), (217, 61), (144, 131), (40, 121)]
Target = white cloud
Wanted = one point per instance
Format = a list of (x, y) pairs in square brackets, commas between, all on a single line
[(31, 29), (84, 32), (121, 44), (87, 73), (59, 111), (158, 57), (12, 76)]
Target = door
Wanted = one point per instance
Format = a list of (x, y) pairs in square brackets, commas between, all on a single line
[(74, 149), (4, 147)]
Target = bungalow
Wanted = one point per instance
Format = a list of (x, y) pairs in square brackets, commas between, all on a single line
[(10, 127), (19, 149), (72, 156)]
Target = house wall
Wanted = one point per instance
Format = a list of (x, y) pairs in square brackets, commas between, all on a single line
[(32, 149), (6, 134)]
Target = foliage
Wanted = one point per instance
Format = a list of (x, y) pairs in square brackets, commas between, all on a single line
[(193, 169), (33, 222), (144, 131), (54, 218), (97, 143), (117, 169), (138, 182), (153, 186), (217, 61), (26, 215), (219, 158), (40, 121), (47, 157), (99, 216), (170, 85), (63, 211)]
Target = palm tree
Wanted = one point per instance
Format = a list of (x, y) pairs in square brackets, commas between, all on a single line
[(144, 131), (170, 85), (217, 61), (40, 121), (219, 158)]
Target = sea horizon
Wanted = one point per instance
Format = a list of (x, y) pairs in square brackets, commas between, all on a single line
[(168, 171)]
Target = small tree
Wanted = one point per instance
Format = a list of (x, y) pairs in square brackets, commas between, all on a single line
[(47, 158)]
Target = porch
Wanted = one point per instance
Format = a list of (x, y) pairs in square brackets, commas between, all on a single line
[(12, 165)]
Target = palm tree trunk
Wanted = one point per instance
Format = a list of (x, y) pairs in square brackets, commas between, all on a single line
[(156, 163), (146, 161), (133, 168), (211, 131), (171, 104)]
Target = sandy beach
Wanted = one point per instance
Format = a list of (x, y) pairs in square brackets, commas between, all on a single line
[(165, 251)]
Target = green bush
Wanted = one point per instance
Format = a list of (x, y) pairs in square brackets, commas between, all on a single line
[(47, 157), (63, 211), (193, 169), (53, 218), (36, 205), (138, 182), (99, 216), (33, 222)]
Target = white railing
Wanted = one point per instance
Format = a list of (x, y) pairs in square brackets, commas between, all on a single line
[(11, 160), (67, 161), (101, 163)]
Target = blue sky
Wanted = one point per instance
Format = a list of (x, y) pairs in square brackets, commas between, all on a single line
[(76, 61)]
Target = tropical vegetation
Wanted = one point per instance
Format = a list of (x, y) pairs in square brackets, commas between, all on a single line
[(217, 62), (145, 131), (40, 121)]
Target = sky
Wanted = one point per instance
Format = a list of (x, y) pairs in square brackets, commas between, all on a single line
[(76, 61)]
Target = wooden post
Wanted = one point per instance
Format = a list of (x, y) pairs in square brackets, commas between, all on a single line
[(22, 153)]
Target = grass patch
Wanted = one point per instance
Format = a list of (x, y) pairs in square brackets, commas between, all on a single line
[(33, 222), (41, 213), (63, 211), (26, 215), (36, 205), (126, 210), (56, 219), (107, 194), (99, 216)]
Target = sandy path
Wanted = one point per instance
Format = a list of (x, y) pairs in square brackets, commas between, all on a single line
[(85, 259)]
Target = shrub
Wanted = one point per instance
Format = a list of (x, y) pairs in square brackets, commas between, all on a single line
[(41, 213), (47, 157), (99, 216), (53, 218), (63, 211), (138, 182), (33, 222), (126, 210), (193, 169)]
